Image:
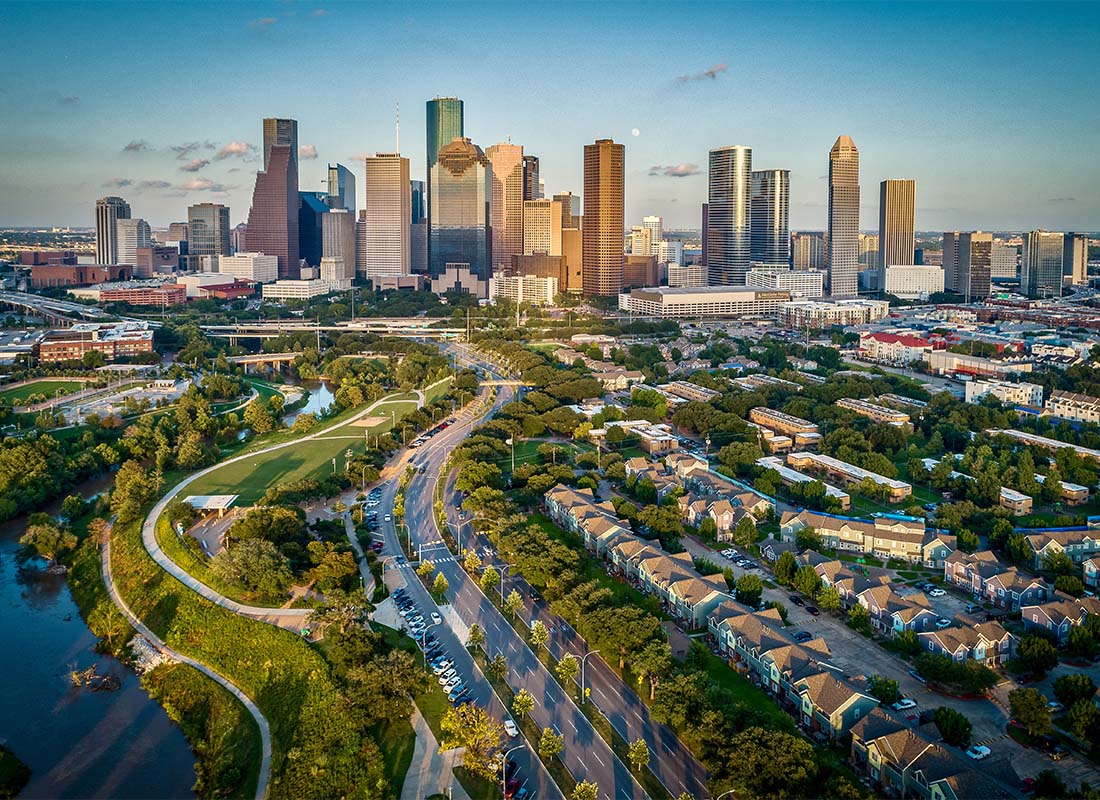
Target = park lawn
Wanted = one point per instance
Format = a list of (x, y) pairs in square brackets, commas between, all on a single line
[(745, 693), (477, 787), (437, 390), (400, 405), (396, 740), (47, 387)]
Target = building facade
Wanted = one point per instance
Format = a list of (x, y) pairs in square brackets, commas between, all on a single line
[(273, 217), (896, 219), (729, 215), (208, 229), (1075, 258), (524, 289), (843, 252), (968, 263), (704, 301), (769, 230), (460, 231), (108, 211), (820, 314), (341, 188), (384, 243), (507, 207), (257, 267), (808, 251), (444, 124), (132, 234), (656, 227), (911, 282), (804, 283), (602, 232), (338, 241), (1041, 266)]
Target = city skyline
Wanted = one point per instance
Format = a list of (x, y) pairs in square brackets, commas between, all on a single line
[(976, 173)]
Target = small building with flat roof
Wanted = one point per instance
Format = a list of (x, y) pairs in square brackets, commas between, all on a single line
[(210, 503)]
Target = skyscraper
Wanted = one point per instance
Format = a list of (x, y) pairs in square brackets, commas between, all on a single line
[(419, 193), (656, 226), (544, 219), (703, 256), (968, 263), (509, 177), (282, 133), (312, 210), (1075, 259), (1041, 264), (338, 240), (273, 217), (132, 235), (388, 217), (729, 216), (208, 229), (108, 211), (341, 188), (808, 251), (843, 253), (770, 231), (896, 210), (444, 124), (460, 227), (531, 190), (641, 238), (1004, 261), (868, 251), (604, 217)]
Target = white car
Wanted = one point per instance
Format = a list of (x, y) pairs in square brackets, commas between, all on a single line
[(387, 518), (943, 622), (510, 728), (452, 683), (936, 593), (447, 675), (904, 704), (978, 751), (436, 618), (443, 666)]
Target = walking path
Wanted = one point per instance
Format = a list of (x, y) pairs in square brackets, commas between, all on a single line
[(431, 772), (264, 776)]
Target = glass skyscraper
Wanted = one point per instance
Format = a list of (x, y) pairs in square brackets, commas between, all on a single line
[(1041, 264), (843, 253), (770, 231), (460, 215), (108, 211), (729, 216), (284, 133), (341, 188)]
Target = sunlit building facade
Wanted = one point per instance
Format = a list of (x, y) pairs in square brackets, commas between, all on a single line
[(729, 215)]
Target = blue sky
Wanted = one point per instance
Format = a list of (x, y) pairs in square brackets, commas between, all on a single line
[(991, 107)]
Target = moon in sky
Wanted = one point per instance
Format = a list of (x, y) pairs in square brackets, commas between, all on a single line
[(636, 132)]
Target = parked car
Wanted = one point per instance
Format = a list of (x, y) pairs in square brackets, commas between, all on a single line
[(1055, 707), (978, 751), (812, 610), (803, 636), (937, 592), (443, 666), (943, 622), (446, 675), (904, 704), (436, 618), (510, 728), (510, 788), (917, 676), (798, 601)]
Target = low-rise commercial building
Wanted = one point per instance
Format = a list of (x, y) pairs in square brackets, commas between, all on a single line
[(1045, 442), (1016, 394), (687, 276), (45, 276), (943, 362), (704, 301), (113, 340), (292, 289), (913, 282), (818, 314), (894, 490), (890, 348), (876, 412), (143, 293), (801, 283)]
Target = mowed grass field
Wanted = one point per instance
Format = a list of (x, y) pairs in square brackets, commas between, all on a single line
[(15, 397)]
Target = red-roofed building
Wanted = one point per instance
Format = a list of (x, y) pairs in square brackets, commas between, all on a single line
[(228, 291), (892, 348)]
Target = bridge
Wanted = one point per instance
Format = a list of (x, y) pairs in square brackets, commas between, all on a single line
[(58, 312), (260, 359), (411, 328)]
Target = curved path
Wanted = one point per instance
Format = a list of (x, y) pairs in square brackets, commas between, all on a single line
[(289, 618), (264, 776)]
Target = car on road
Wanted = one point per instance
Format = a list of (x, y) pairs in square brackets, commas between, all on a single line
[(798, 601), (904, 704), (917, 676), (978, 751), (803, 636), (812, 610), (436, 618), (937, 592), (510, 728), (388, 518), (943, 622)]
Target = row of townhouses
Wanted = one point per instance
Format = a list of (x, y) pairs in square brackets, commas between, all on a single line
[(889, 536)]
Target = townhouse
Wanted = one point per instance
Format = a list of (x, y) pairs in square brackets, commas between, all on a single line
[(1058, 615), (698, 478), (987, 643), (873, 411), (1079, 543), (1090, 572), (987, 579), (725, 513), (891, 614), (890, 536), (895, 490)]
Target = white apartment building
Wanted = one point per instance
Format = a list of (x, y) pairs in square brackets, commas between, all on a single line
[(686, 277), (1016, 394), (822, 314), (656, 228), (802, 283), (524, 289), (891, 348), (913, 282), (703, 301), (383, 240), (1073, 406), (250, 267), (295, 289), (669, 251)]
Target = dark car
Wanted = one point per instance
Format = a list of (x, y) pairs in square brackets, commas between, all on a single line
[(511, 788), (798, 601), (812, 610), (803, 636)]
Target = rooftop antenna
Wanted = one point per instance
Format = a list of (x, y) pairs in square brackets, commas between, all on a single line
[(397, 126)]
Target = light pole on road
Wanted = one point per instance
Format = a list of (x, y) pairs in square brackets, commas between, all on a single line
[(503, 571), (583, 659), (504, 766)]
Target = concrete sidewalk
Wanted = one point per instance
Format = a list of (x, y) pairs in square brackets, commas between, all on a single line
[(431, 772)]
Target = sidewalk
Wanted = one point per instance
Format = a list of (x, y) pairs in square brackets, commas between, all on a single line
[(431, 772)]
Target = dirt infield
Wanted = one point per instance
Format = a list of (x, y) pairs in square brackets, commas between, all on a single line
[(367, 422)]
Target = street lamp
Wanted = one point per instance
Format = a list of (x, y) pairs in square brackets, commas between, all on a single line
[(503, 570), (504, 766), (584, 658), (727, 792)]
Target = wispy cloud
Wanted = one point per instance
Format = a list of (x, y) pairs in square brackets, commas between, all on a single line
[(235, 150), (320, 12), (307, 151), (136, 145), (195, 164), (710, 72), (118, 183), (675, 171), (154, 185), (69, 99), (184, 151), (1062, 200), (263, 22), (204, 185)]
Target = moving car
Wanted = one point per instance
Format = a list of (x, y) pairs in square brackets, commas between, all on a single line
[(510, 728), (917, 676), (978, 751), (904, 704), (436, 618)]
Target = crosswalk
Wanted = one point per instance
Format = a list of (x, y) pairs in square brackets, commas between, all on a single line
[(994, 739)]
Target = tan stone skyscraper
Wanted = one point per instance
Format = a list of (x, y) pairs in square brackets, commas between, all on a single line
[(507, 208), (843, 245), (383, 244), (602, 232), (897, 202)]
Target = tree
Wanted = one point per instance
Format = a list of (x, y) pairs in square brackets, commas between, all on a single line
[(513, 603), (550, 744), (1070, 584), (828, 599), (768, 763), (1048, 785), (954, 727), (745, 532), (425, 569), (1083, 721), (1072, 687), (708, 529), (885, 690), (638, 753), (785, 567), (72, 507), (1081, 642), (1036, 654), (567, 669), (382, 689), (907, 642), (654, 664), (859, 618), (256, 565), (807, 581), (472, 562), (489, 580), (539, 635), (585, 790), (475, 637), (134, 487), (471, 727), (258, 417), (440, 586), (749, 590), (48, 541), (808, 538), (341, 609), (1029, 708), (523, 703), (497, 666)]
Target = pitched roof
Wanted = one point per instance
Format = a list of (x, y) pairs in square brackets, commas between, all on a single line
[(826, 692)]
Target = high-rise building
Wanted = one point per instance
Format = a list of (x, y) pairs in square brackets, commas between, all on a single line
[(1075, 259), (418, 191), (570, 209), (1003, 262), (108, 211), (1041, 264), (544, 220), (656, 226), (444, 124), (896, 213), (532, 189), (968, 263), (178, 232), (703, 256), (341, 188), (338, 239), (273, 217), (729, 216), (312, 210), (281, 133), (208, 229), (808, 251), (132, 234), (460, 227), (843, 252), (238, 238), (386, 240), (604, 217), (868, 251), (770, 231), (670, 251), (640, 240), (507, 207)]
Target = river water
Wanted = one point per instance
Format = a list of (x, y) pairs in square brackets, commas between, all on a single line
[(78, 743), (320, 398)]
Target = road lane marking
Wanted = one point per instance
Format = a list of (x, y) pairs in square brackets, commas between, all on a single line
[(596, 756)]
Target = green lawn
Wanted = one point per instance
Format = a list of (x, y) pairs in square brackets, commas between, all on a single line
[(745, 693), (396, 740), (477, 787), (49, 388)]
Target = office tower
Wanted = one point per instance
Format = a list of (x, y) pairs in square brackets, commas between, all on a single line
[(602, 232), (281, 133), (312, 209), (656, 226), (341, 188), (769, 231), (208, 227), (968, 263), (418, 191), (273, 217), (641, 240), (670, 251), (178, 232), (729, 215), (868, 251), (570, 209), (544, 220), (108, 211), (460, 200), (259, 267), (532, 189), (338, 239), (897, 201), (1004, 261), (640, 272), (703, 237), (132, 234), (508, 164), (808, 251), (387, 217), (444, 124), (1075, 258), (1041, 264), (843, 250)]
